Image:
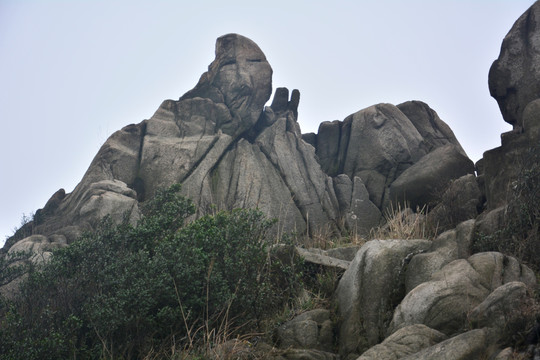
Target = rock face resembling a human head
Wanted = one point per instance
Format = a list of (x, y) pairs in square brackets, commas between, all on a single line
[(240, 77)]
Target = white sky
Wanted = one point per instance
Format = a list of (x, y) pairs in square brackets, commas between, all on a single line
[(73, 72)]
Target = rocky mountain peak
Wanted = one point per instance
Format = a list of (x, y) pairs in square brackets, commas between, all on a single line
[(228, 150), (513, 77), (240, 77)]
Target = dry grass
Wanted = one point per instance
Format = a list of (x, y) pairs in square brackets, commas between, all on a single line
[(403, 224)]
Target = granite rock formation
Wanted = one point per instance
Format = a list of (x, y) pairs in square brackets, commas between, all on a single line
[(514, 81), (229, 150)]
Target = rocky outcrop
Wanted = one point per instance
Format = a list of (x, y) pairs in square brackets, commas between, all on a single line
[(310, 330), (229, 151), (396, 151), (424, 182), (444, 302), (406, 341), (461, 201), (408, 299), (369, 290), (474, 344), (514, 76), (219, 143), (514, 81), (449, 246)]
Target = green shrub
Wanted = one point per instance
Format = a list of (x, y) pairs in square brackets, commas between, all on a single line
[(123, 291), (520, 234)]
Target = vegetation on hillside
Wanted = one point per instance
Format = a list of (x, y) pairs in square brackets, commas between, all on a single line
[(161, 287), (520, 234)]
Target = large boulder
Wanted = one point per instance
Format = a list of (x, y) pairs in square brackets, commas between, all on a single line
[(376, 144), (380, 143), (444, 302), (435, 132), (461, 201), (240, 78), (424, 182), (474, 344), (219, 143), (449, 246), (357, 211), (514, 78), (514, 81), (406, 341), (310, 330), (369, 290), (508, 308)]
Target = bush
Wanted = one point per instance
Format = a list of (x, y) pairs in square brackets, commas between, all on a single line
[(124, 291), (520, 233)]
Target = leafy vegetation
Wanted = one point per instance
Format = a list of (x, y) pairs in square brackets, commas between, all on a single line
[(520, 233), (162, 287)]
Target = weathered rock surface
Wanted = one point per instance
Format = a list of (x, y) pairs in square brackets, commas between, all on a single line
[(310, 330), (508, 308), (461, 201), (474, 344), (449, 246), (387, 140), (219, 143), (406, 341), (514, 81), (230, 151), (359, 213), (424, 182), (444, 302), (376, 144), (369, 290), (39, 245), (435, 132), (514, 78), (321, 257)]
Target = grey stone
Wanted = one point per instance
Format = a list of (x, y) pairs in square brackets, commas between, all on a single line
[(39, 247), (505, 354), (305, 354), (362, 215), (436, 133), (422, 183), (509, 308), (406, 341), (444, 302), (310, 188), (447, 247), (514, 78), (496, 269), (531, 119), (309, 330), (459, 202), (239, 77), (489, 222), (474, 344), (369, 290), (346, 253), (320, 258), (502, 167), (356, 209)]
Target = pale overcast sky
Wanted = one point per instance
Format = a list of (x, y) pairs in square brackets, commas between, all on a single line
[(73, 72)]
